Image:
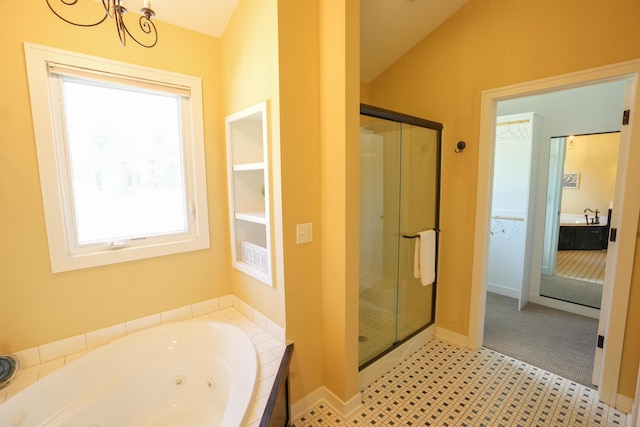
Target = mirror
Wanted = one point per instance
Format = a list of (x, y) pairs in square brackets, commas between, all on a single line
[(582, 173)]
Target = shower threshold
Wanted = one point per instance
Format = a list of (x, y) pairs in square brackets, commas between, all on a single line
[(376, 368)]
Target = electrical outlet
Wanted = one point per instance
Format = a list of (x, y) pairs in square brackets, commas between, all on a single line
[(304, 233)]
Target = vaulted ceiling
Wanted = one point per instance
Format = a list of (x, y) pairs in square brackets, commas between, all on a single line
[(388, 28)]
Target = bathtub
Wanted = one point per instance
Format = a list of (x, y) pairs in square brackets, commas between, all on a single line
[(187, 374)]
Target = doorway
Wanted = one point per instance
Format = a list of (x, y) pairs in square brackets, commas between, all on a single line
[(625, 214), (562, 343)]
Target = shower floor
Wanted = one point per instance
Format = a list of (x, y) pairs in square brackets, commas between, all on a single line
[(377, 330)]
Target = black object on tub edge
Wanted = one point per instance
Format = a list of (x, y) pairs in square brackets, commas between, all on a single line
[(278, 410)]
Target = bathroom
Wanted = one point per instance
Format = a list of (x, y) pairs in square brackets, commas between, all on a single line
[(271, 50)]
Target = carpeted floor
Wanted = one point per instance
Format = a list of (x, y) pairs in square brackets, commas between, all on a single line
[(559, 342)]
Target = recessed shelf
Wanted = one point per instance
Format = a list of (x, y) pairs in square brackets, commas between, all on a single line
[(256, 217), (247, 157), (248, 167)]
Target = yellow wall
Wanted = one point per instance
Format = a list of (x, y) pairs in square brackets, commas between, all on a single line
[(490, 44), (249, 60), (319, 121), (340, 186), (40, 307), (298, 23)]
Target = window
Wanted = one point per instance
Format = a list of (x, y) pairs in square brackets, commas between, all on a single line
[(121, 158)]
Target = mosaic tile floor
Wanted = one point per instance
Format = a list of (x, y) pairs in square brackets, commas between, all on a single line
[(378, 330), (446, 385)]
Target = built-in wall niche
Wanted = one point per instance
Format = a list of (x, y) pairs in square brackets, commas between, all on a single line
[(248, 180)]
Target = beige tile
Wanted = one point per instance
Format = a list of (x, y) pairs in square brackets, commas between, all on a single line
[(143, 323), (205, 307), (261, 337), (58, 349), (28, 357), (267, 345), (76, 356), (49, 367), (176, 314), (264, 387), (105, 335), (257, 410), (260, 319), (267, 357), (242, 307), (269, 369), (226, 301), (219, 316), (276, 331), (23, 379)]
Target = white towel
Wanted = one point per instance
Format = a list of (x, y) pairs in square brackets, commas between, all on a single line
[(424, 259)]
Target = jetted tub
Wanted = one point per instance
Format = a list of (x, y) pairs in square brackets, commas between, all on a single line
[(194, 373)]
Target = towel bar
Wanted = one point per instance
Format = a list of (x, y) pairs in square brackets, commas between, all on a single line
[(415, 236)]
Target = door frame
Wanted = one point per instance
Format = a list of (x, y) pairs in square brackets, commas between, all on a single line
[(625, 218), (554, 201)]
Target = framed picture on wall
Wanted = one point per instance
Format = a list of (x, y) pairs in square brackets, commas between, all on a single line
[(571, 180)]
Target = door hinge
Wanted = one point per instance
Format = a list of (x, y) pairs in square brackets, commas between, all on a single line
[(600, 341), (613, 234), (625, 117)]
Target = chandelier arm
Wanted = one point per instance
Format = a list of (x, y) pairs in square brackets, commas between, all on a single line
[(118, 13), (148, 27), (109, 7), (73, 3), (115, 10)]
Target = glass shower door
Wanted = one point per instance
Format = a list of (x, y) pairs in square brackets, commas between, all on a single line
[(380, 144), (399, 193), (418, 212)]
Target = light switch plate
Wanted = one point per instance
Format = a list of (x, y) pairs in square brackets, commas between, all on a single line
[(304, 233)]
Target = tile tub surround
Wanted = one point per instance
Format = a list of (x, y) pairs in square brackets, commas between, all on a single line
[(268, 338), (443, 384)]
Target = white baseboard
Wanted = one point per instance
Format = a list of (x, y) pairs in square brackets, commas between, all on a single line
[(624, 404), (503, 290), (452, 337), (323, 394)]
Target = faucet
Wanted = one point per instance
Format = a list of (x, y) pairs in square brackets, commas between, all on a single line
[(595, 220)]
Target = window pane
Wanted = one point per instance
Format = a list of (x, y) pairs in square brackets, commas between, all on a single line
[(126, 162)]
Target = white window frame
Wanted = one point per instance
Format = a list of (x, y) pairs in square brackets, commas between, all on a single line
[(54, 179)]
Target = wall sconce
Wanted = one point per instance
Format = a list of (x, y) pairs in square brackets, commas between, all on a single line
[(460, 146), (115, 10)]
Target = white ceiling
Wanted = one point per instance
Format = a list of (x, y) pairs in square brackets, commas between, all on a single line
[(388, 28)]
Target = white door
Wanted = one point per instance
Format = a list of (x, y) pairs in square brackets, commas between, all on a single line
[(611, 272)]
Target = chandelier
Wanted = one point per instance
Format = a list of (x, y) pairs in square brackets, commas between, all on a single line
[(114, 9)]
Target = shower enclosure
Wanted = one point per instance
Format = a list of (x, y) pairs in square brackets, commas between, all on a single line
[(399, 197)]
